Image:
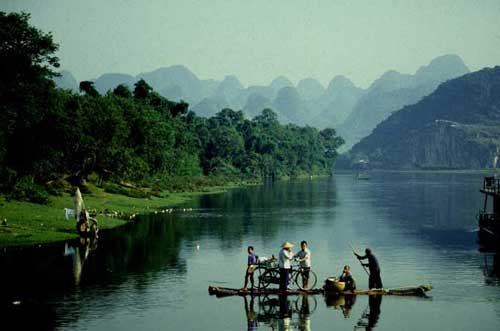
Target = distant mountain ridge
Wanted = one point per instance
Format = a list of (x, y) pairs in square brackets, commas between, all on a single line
[(394, 90), (66, 81), (342, 105), (455, 127)]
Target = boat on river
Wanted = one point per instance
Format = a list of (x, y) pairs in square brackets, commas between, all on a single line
[(489, 216), (362, 167)]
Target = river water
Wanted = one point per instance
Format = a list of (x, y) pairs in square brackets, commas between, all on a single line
[(154, 274)]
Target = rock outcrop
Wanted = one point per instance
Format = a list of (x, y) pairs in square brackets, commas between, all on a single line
[(456, 127)]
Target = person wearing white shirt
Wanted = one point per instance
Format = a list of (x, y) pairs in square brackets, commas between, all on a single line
[(304, 257), (285, 257)]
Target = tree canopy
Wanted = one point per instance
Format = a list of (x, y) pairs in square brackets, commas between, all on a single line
[(47, 133)]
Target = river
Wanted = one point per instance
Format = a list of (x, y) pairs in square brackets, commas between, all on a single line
[(154, 274)]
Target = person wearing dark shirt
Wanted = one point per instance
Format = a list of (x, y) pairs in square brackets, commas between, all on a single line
[(251, 264), (374, 302), (374, 280), (252, 324), (346, 277)]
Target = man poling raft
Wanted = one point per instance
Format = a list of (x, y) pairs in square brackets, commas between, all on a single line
[(374, 280)]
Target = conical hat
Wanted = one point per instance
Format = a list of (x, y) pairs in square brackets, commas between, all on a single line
[(286, 244)]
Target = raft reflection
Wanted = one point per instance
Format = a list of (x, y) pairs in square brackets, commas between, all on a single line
[(294, 313), (279, 312)]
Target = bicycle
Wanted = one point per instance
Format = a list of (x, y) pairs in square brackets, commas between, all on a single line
[(298, 276), (268, 274)]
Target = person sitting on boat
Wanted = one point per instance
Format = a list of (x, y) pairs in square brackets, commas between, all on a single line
[(304, 257), (374, 281), (284, 259), (251, 265), (346, 277)]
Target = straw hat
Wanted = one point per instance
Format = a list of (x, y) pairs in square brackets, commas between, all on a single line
[(286, 244)]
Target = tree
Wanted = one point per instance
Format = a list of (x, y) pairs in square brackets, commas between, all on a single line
[(267, 118), (26, 53), (27, 66), (122, 91), (142, 90), (88, 88), (179, 108)]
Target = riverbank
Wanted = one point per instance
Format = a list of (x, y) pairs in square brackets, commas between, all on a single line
[(32, 224)]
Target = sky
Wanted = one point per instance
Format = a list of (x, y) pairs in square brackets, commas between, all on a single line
[(259, 40)]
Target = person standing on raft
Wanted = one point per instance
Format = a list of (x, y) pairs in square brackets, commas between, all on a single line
[(304, 257), (284, 259), (251, 265), (374, 281)]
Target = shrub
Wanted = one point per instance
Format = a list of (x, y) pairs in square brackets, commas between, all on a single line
[(129, 192), (26, 189)]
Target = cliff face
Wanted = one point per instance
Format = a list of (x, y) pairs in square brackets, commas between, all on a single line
[(456, 127), (394, 90)]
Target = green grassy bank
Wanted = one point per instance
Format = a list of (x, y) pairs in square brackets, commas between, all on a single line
[(30, 223)]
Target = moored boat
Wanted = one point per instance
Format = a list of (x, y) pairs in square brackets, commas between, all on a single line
[(489, 216)]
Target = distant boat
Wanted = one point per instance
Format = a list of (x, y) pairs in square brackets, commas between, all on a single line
[(362, 167), (363, 176)]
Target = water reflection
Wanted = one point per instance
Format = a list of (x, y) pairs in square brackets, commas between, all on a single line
[(491, 267), (343, 302), (150, 274), (280, 312), (371, 315), (79, 253), (294, 313)]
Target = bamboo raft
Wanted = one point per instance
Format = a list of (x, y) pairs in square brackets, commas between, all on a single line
[(401, 291)]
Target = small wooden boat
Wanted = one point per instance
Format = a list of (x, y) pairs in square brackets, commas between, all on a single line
[(403, 291), (363, 176)]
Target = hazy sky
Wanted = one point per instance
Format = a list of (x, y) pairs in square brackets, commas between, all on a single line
[(259, 40)]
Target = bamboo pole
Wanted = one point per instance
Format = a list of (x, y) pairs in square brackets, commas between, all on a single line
[(354, 251)]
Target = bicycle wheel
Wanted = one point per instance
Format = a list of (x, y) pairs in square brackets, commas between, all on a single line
[(269, 277), (313, 279), (269, 305), (294, 279), (257, 274), (299, 280), (305, 304)]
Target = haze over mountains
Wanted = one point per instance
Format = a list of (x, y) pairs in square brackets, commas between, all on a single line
[(455, 127), (394, 90), (354, 112)]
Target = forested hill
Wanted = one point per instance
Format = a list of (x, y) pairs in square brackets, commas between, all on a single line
[(48, 134), (456, 127)]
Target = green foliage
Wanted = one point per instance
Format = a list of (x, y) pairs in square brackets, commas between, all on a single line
[(27, 190), (88, 88), (122, 91), (142, 90), (129, 192), (47, 134)]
